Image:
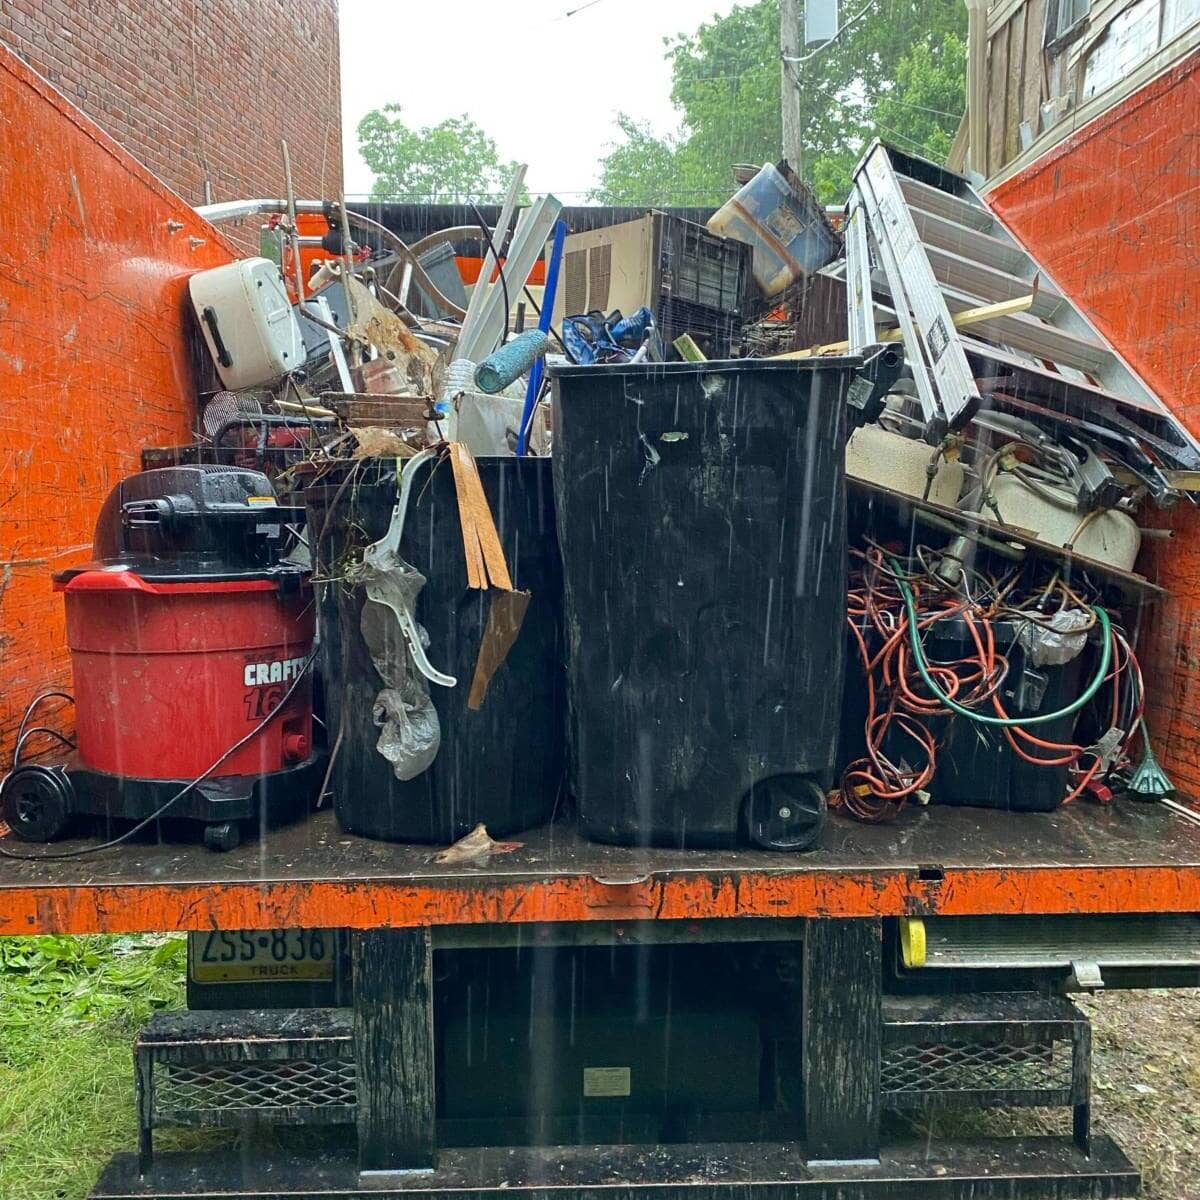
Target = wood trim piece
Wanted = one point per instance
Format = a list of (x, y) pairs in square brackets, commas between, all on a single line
[(997, 98), (977, 78), (1015, 86), (1034, 67), (1001, 13)]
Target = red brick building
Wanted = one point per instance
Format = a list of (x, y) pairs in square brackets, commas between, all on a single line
[(201, 91)]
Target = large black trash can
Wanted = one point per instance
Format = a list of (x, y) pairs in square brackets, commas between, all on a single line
[(501, 765), (701, 516)]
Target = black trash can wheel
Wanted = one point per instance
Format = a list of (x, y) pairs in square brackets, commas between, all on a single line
[(785, 812)]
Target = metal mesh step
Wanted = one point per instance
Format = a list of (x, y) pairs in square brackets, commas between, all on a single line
[(227, 1068), (1012, 1049)]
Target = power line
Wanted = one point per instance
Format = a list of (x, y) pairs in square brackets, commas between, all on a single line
[(579, 9), (938, 112), (893, 99)]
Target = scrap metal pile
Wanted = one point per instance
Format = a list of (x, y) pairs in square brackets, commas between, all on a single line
[(1001, 494), (1002, 467), (999, 477)]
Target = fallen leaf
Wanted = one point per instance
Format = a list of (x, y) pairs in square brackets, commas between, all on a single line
[(475, 847)]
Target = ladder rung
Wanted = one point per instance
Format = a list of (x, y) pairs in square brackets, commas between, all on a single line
[(943, 204), (1001, 254), (1034, 337), (945, 386), (977, 352), (984, 284)]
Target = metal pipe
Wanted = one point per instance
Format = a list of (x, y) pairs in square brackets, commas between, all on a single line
[(293, 233), (234, 210), (347, 265), (237, 210)]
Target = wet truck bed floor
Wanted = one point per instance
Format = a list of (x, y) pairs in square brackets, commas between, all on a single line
[(949, 861), (984, 1169)]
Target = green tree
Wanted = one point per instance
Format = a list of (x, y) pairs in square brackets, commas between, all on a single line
[(451, 162), (896, 73), (929, 89)]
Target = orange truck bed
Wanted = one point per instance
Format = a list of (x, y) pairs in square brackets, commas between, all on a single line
[(94, 353)]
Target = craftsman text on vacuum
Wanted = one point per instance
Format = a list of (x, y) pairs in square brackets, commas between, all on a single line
[(273, 672)]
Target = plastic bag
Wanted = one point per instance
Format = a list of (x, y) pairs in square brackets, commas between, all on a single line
[(410, 734), (1058, 641)]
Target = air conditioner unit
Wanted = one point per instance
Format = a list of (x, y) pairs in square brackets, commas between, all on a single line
[(692, 280)]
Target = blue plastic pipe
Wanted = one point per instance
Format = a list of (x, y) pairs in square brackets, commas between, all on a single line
[(535, 375)]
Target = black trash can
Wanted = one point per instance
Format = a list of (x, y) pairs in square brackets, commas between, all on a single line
[(701, 516), (501, 765)]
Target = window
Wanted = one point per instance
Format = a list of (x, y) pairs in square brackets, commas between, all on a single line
[(1063, 18)]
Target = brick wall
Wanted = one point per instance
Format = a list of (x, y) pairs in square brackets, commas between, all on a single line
[(198, 90)]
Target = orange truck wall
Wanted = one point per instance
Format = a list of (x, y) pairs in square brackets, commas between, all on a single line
[(1113, 213), (95, 353)]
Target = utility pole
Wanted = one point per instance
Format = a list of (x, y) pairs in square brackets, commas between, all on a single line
[(791, 41)]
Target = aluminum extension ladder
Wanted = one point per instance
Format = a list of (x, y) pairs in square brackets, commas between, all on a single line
[(922, 246)]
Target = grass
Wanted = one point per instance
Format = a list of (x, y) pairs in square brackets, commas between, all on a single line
[(70, 1008)]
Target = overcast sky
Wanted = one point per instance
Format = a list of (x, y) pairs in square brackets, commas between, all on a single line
[(544, 85)]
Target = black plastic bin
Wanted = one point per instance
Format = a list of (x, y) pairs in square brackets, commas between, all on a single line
[(976, 766), (501, 765), (701, 514)]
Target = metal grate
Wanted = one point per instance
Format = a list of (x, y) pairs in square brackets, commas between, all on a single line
[(575, 282), (969, 1068), (599, 276), (227, 1087)]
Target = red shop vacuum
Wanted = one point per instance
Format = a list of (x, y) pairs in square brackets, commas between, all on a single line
[(191, 643)]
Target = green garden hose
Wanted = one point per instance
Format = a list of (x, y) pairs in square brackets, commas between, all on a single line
[(1009, 722)]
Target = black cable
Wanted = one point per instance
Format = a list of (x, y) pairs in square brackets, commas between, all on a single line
[(183, 791), (24, 737), (29, 712), (481, 282), (553, 332)]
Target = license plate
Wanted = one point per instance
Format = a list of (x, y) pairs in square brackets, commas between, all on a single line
[(261, 955)]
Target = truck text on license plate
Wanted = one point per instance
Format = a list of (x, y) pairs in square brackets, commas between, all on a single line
[(261, 955)]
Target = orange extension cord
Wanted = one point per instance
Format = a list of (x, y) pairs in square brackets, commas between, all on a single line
[(874, 788)]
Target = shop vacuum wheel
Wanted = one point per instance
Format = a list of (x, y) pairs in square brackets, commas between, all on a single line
[(36, 801)]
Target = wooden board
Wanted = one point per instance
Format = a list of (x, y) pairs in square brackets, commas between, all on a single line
[(958, 862), (1031, 83), (1015, 86), (997, 99), (393, 1047)]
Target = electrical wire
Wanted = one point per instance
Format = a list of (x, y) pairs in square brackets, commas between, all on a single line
[(29, 711), (163, 808), (1041, 718), (28, 733), (537, 308), (893, 603)]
